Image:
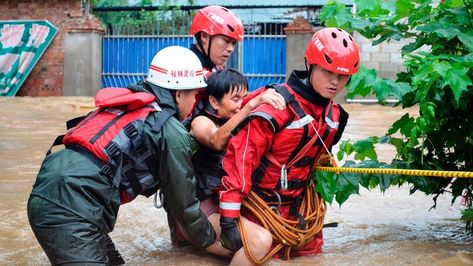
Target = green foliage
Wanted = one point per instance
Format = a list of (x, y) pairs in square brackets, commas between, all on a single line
[(467, 215), (438, 61), (168, 20)]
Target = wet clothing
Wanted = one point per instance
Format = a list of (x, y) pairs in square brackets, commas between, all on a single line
[(208, 162), (74, 201), (209, 206), (207, 168), (260, 157)]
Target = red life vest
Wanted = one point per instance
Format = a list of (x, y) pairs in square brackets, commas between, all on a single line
[(113, 135), (284, 168)]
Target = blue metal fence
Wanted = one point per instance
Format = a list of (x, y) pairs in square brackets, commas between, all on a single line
[(125, 59), (264, 60)]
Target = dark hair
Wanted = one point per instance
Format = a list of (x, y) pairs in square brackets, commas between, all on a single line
[(224, 81)]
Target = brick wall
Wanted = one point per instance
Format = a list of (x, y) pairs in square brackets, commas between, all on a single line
[(47, 77), (385, 57)]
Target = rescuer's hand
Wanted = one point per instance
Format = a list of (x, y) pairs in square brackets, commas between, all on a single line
[(230, 236)]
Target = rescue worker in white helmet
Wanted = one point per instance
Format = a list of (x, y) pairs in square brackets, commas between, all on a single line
[(137, 146)]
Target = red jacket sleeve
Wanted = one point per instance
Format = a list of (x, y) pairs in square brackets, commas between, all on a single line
[(243, 155)]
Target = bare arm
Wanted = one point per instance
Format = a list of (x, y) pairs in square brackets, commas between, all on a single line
[(207, 133)]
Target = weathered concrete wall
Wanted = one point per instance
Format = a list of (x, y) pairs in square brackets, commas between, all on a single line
[(82, 69), (298, 34), (47, 77)]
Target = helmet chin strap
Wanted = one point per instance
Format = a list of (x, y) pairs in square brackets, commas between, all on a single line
[(201, 46), (308, 70), (208, 49)]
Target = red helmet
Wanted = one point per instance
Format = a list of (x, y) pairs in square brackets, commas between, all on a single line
[(335, 50), (215, 20)]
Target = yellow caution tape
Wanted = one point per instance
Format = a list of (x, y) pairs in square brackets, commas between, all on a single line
[(393, 171)]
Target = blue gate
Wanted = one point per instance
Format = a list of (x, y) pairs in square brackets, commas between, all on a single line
[(125, 59)]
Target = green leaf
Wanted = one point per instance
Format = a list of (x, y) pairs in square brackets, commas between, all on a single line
[(326, 185), (365, 180), (398, 143), (365, 148), (409, 48), (467, 215), (404, 8), (358, 23), (466, 60), (382, 89), (358, 83), (386, 36), (399, 89), (344, 148), (422, 124), (404, 125), (335, 15), (467, 39), (384, 181), (424, 73), (328, 12), (458, 80), (441, 68), (347, 184), (384, 140), (363, 5), (441, 28), (431, 108), (454, 3), (356, 80)]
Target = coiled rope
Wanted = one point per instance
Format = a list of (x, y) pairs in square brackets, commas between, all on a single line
[(286, 231)]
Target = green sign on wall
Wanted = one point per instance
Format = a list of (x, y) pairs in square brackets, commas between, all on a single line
[(22, 43)]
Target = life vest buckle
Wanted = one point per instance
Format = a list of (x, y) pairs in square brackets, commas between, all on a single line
[(106, 170)]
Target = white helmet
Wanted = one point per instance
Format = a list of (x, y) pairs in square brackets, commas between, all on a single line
[(176, 68)]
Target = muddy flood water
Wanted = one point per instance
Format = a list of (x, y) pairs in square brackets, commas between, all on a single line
[(393, 228)]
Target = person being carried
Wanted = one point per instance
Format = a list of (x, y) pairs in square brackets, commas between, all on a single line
[(211, 127), (274, 152), (133, 144)]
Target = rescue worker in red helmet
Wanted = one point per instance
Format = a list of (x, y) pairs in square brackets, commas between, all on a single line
[(77, 194), (216, 30), (258, 157)]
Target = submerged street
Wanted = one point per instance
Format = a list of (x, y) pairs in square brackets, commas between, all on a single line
[(393, 228)]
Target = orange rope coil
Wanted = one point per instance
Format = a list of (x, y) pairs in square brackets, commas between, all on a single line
[(286, 231)]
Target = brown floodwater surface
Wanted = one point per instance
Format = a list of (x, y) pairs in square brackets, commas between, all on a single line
[(393, 228)]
